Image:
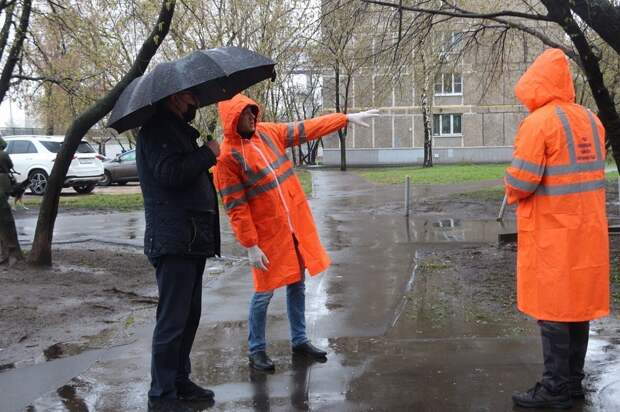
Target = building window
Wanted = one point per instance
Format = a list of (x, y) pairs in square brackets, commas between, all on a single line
[(449, 42), (447, 125), (448, 84)]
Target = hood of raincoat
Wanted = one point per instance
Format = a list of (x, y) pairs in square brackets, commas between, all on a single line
[(230, 110), (3, 143), (548, 78)]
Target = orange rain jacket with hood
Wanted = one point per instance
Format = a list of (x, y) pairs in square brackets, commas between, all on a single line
[(262, 196), (557, 177)]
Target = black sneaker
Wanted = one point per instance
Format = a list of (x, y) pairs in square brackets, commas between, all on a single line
[(540, 397), (310, 350), (261, 362), (189, 391)]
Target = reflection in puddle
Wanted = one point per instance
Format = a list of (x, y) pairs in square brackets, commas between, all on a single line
[(457, 230)]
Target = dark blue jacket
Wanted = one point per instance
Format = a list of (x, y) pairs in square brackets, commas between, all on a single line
[(180, 203)]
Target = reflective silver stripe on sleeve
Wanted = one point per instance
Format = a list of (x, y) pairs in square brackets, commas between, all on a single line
[(302, 133), (236, 202), (571, 188), (290, 134), (521, 184), (271, 185), (533, 168), (595, 135), (579, 167), (568, 133)]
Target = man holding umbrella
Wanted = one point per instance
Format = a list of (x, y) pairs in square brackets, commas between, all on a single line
[(180, 205), (270, 216)]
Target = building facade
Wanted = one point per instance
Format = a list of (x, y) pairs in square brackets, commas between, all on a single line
[(474, 112)]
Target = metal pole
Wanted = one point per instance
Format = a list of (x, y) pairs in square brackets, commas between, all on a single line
[(502, 209), (407, 195)]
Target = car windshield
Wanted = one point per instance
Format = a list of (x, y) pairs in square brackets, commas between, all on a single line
[(54, 147)]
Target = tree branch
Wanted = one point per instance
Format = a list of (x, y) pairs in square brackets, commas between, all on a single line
[(462, 13)]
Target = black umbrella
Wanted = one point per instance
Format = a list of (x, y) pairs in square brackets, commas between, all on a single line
[(213, 75)]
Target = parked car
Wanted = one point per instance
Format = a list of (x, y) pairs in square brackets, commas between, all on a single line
[(121, 169), (34, 156)]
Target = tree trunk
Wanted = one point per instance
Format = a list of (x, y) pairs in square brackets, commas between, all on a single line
[(561, 14), (16, 49), (342, 133), (603, 17), (49, 116), (41, 253), (428, 134), (10, 251)]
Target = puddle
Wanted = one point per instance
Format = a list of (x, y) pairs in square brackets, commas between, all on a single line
[(443, 229)]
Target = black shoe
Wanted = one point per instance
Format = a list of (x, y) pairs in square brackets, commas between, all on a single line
[(189, 391), (167, 405), (540, 397), (310, 350), (261, 362)]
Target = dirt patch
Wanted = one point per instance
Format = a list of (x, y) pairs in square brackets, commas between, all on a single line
[(470, 291), (84, 301)]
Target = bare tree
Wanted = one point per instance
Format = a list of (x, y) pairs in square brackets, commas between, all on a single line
[(597, 14), (41, 253), (16, 30)]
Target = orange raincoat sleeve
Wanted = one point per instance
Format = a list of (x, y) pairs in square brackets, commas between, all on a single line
[(528, 165), (230, 187), (296, 133)]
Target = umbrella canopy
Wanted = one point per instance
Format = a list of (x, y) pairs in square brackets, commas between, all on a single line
[(213, 75)]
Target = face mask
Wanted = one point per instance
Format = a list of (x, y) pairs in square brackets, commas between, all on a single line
[(190, 113)]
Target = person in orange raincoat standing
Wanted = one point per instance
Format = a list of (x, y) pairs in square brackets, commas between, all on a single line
[(269, 213), (557, 177)]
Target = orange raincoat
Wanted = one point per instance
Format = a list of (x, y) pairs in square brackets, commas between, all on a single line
[(262, 196), (558, 179)]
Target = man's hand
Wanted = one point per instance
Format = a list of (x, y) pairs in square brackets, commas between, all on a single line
[(361, 117), (257, 258), (214, 146)]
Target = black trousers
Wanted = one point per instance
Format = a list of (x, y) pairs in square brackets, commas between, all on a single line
[(179, 281), (564, 351)]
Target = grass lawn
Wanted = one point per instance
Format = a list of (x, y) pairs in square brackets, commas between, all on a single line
[(439, 174), (128, 202), (306, 180), (120, 202)]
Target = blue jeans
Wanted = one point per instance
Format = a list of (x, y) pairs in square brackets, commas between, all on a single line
[(296, 308)]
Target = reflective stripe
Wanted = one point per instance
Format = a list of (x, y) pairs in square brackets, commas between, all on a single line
[(229, 190), (533, 168), (597, 137), (579, 167), (271, 185), (290, 134), (568, 133), (239, 158), (236, 202), (269, 143), (302, 133), (521, 184), (571, 188)]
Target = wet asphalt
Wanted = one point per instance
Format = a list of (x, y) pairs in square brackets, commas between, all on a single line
[(376, 361)]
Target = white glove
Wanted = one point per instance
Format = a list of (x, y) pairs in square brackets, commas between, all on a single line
[(360, 118), (257, 258)]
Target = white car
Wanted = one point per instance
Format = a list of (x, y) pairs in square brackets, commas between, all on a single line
[(34, 156)]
